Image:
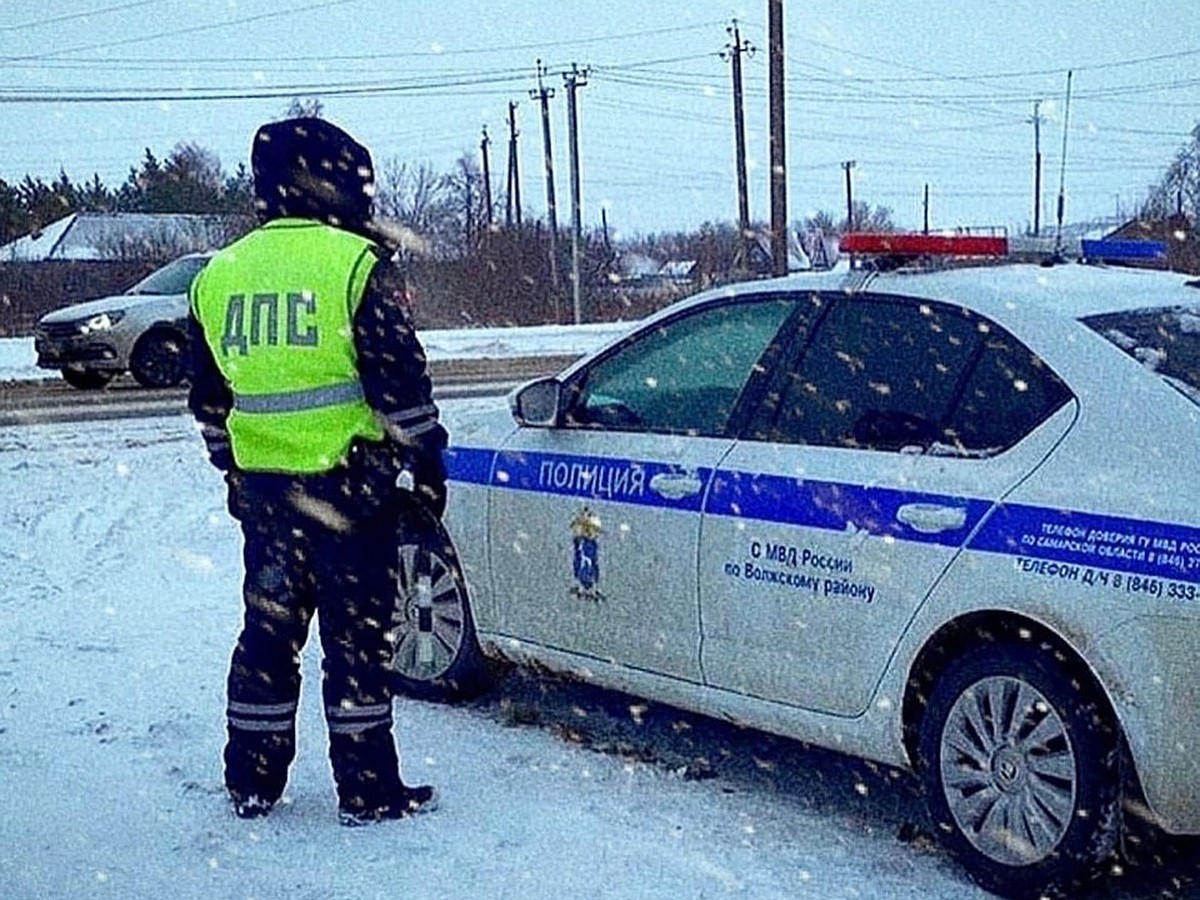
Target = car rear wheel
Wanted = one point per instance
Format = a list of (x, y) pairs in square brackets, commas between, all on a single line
[(157, 360), (1020, 768), (86, 379), (434, 651)]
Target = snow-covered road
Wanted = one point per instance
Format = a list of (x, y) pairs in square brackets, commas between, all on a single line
[(121, 573)]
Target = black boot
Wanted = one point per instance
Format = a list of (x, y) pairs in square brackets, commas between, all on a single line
[(366, 768), (408, 801), (250, 807), (256, 769)]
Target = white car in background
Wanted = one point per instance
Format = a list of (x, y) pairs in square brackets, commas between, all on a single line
[(142, 331), (944, 519)]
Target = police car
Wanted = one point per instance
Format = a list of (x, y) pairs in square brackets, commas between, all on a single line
[(945, 519)]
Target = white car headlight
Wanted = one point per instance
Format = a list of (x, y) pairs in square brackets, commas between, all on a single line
[(101, 321)]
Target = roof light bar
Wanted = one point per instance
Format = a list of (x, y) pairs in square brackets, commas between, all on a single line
[(907, 244)]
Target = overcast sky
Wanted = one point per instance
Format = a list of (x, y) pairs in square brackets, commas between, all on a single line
[(915, 92)]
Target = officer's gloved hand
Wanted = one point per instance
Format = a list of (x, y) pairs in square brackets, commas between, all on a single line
[(431, 491)]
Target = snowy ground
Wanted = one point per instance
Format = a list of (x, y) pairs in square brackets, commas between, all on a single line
[(120, 602)]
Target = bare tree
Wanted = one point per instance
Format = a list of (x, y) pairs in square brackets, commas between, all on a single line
[(1178, 191), (468, 201), (300, 107), (417, 199)]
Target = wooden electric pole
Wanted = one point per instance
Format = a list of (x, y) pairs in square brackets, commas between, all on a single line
[(847, 166), (1037, 168), (512, 203), (544, 94), (779, 226), (1062, 171), (487, 178), (734, 52), (574, 80)]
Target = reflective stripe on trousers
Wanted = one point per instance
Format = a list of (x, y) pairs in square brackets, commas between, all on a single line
[(261, 716), (348, 719)]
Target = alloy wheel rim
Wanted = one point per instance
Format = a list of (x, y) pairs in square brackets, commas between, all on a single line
[(1008, 770), (425, 651)]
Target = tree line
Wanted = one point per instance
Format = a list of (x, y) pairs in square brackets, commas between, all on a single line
[(190, 179)]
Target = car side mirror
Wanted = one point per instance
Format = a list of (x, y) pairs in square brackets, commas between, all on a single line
[(538, 403)]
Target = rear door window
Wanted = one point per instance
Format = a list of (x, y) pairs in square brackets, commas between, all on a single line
[(896, 374)]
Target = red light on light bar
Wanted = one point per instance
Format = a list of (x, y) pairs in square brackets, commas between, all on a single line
[(881, 244)]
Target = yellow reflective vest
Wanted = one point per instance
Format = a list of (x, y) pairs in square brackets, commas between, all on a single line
[(277, 310)]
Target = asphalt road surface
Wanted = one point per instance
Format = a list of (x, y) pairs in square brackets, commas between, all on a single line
[(53, 400)]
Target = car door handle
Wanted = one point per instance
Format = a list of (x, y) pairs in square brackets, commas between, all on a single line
[(675, 486), (930, 518)]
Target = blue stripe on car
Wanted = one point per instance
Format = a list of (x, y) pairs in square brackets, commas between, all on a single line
[(1115, 543), (832, 505)]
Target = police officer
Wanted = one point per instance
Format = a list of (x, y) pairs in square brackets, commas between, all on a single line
[(311, 391)]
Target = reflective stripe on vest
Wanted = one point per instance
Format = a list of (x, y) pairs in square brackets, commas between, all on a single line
[(295, 401)]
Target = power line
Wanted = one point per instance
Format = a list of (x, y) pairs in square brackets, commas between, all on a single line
[(341, 58), (69, 17), (1027, 73), (179, 32)]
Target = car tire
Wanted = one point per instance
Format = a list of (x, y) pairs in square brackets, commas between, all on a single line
[(86, 379), (158, 359), (435, 654), (1020, 767)]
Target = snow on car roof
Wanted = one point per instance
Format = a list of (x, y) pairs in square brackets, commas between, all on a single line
[(1006, 290), (1072, 289)]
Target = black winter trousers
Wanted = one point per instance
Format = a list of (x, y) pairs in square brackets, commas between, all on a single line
[(307, 552)]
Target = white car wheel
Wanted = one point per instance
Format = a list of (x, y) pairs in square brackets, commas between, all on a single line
[(1020, 765), (434, 651)]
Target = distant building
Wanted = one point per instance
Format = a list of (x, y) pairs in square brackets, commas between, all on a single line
[(125, 236), (1165, 241), (679, 271), (760, 254), (633, 267)]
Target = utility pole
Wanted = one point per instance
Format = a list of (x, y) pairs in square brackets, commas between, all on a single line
[(512, 204), (468, 205), (733, 52), (1062, 172), (925, 230), (544, 94), (779, 227), (847, 166), (1037, 167), (573, 80), (487, 178)]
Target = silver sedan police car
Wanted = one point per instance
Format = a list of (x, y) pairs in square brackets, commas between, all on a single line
[(943, 519)]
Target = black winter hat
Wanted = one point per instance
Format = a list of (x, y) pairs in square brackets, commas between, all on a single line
[(311, 169)]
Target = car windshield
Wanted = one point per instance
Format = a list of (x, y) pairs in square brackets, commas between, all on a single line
[(1166, 340), (173, 278)]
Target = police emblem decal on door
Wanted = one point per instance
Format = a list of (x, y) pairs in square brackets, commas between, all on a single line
[(585, 562)]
